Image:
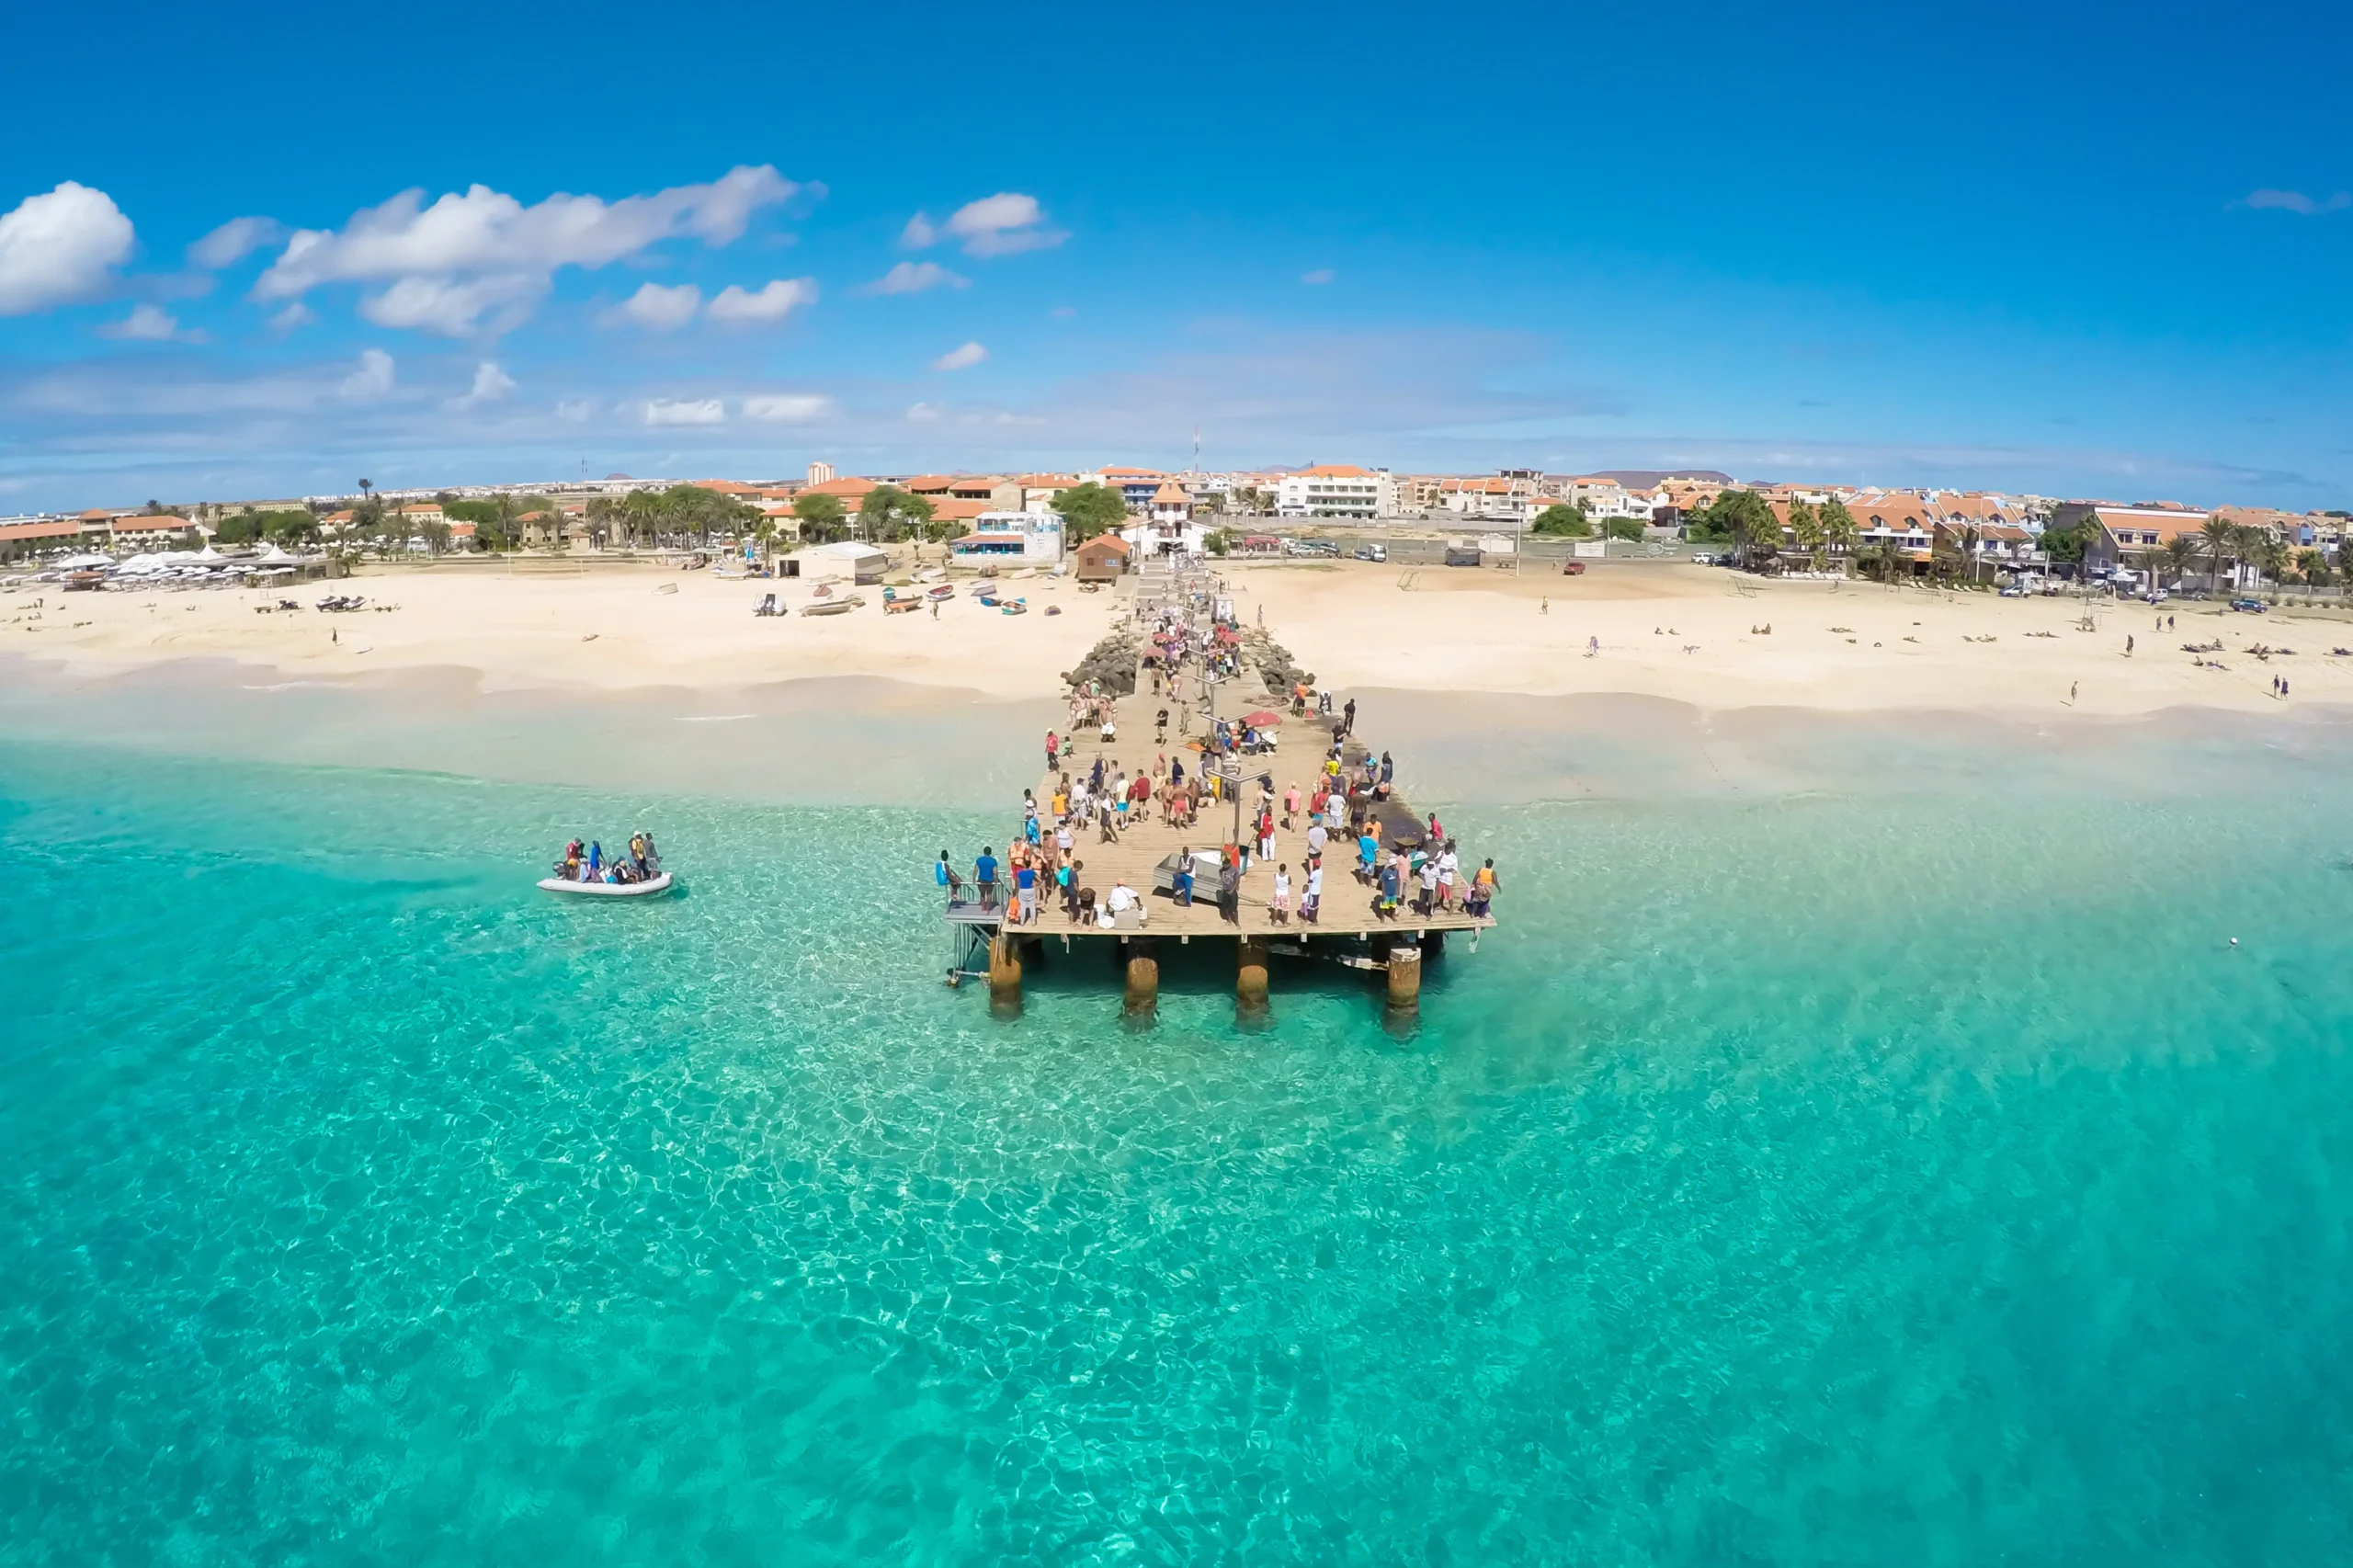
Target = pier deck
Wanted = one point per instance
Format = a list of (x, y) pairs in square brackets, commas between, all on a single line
[(1347, 905)]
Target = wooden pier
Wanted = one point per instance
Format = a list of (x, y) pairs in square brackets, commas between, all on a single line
[(1350, 931)]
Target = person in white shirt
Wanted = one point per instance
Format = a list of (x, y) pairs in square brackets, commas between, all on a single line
[(1313, 904), (1316, 839), (1281, 906), (1448, 865), (1123, 897)]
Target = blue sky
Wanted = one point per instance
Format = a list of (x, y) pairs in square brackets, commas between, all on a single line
[(2082, 250)]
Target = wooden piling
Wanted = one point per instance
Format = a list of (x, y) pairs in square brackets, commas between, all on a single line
[(1404, 975), (1004, 971), (1144, 978), (1250, 975)]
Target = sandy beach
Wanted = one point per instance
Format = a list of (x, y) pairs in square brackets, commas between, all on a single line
[(1683, 634)]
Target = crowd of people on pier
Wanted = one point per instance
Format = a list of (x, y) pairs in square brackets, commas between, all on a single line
[(1098, 801)]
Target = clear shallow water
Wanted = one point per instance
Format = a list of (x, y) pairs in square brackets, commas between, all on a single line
[(1802, 1181)]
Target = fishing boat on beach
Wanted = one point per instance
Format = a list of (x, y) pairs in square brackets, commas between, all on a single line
[(832, 607)]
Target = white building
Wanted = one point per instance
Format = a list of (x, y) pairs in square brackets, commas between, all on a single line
[(1034, 537), (819, 473), (1336, 490), (1165, 538)]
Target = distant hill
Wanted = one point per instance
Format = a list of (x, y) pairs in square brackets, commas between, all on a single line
[(1646, 478), (627, 476)]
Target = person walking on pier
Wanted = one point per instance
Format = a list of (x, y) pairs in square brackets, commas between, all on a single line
[(1348, 717), (1053, 750)]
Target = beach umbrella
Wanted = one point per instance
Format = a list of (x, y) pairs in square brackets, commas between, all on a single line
[(1262, 719)]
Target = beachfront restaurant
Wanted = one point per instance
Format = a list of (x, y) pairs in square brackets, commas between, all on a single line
[(1032, 537)]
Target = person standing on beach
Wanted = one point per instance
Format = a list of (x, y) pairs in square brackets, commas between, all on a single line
[(2128, 646), (2071, 691)]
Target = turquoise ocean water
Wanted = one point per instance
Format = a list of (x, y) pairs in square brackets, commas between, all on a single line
[(1820, 1178)]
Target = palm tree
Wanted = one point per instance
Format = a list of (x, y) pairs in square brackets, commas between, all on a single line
[(2222, 541), (1805, 527), (2267, 555), (2179, 552), (1839, 529)]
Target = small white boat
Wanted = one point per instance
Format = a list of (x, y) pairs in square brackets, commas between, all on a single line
[(610, 889), (832, 607)]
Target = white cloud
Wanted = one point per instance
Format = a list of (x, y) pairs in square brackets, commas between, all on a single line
[(233, 241), (296, 313), (1321, 274), (923, 413), (491, 383), (786, 408), (971, 353), (456, 309), (919, 235), (772, 303), (373, 378), (682, 411), (487, 236), (60, 247), (575, 409), (655, 306), (914, 278), (1003, 225), (2297, 201), (149, 323)]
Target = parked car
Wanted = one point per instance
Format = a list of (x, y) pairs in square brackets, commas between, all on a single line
[(2252, 607), (1372, 552), (1572, 568), (1701, 558), (2014, 592)]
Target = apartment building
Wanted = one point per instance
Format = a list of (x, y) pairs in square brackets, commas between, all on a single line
[(1336, 490)]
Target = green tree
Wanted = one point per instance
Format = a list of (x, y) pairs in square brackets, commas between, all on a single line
[(1561, 521), (2222, 538), (1622, 528), (2065, 546), (1703, 525), (889, 514), (1087, 510), (1839, 530), (821, 516), (1805, 527), (1219, 542), (2178, 554), (1749, 518), (2315, 567)]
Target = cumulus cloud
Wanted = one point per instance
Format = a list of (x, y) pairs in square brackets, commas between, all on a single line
[(685, 411), (788, 408), (487, 234), (994, 225), (455, 308), (971, 353), (2297, 201), (655, 306), (372, 380), (1321, 274), (914, 278), (233, 241), (772, 303), (60, 247), (491, 383), (149, 323)]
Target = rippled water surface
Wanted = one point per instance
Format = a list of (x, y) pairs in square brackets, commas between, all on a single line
[(1812, 1181)]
